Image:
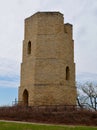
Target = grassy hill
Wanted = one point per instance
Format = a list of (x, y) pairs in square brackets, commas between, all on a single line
[(26, 126)]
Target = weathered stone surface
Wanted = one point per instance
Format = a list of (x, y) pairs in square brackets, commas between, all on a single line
[(48, 68)]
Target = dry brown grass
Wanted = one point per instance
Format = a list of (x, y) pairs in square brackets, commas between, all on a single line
[(49, 115)]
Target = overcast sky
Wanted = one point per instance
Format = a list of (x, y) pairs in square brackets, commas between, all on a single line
[(81, 13)]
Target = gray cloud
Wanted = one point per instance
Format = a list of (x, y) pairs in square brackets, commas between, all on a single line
[(85, 38)]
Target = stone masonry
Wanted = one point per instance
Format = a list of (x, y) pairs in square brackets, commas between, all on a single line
[(47, 68)]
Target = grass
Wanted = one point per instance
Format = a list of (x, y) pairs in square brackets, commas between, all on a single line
[(26, 126)]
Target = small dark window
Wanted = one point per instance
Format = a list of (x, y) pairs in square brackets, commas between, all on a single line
[(67, 73), (29, 47), (25, 97)]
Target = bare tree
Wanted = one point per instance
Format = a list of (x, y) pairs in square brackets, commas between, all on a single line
[(87, 95)]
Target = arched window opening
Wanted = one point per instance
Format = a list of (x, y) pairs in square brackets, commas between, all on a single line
[(67, 73), (25, 97), (29, 47)]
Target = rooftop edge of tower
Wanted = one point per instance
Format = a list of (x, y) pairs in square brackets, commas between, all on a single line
[(46, 13)]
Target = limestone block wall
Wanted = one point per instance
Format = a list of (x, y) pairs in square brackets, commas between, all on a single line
[(54, 95)]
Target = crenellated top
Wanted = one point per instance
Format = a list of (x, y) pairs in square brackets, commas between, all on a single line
[(46, 23)]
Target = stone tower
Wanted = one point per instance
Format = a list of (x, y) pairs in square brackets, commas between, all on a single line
[(48, 68)]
